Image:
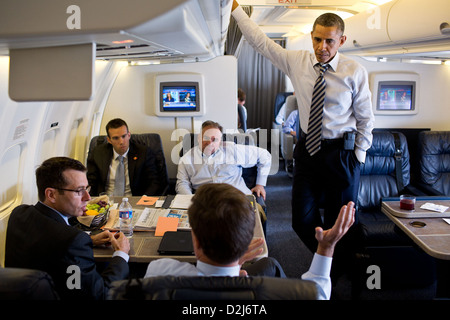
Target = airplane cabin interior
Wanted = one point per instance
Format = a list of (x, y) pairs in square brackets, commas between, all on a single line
[(67, 68)]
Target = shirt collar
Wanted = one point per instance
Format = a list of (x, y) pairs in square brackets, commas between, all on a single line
[(211, 155), (115, 154), (66, 219), (333, 63), (210, 270)]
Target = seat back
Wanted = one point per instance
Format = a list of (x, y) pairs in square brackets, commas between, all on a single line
[(279, 101), (407, 272), (434, 163), (150, 140), (242, 118), (248, 174), (287, 140), (213, 288), (26, 284), (378, 173)]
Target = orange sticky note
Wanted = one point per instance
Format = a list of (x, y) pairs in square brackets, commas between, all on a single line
[(166, 224), (147, 201)]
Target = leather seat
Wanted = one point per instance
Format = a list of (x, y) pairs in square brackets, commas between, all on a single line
[(26, 284), (403, 265), (379, 180), (434, 163), (150, 140), (213, 288)]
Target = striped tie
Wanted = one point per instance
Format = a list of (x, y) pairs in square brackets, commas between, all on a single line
[(313, 139)]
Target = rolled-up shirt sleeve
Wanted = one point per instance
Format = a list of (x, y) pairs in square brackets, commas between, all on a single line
[(319, 272)]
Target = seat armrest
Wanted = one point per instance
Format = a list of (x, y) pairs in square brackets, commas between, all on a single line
[(426, 190)]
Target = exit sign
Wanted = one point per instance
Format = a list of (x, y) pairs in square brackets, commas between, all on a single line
[(333, 3), (302, 2)]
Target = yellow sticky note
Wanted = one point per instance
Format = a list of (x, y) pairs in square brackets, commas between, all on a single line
[(166, 224)]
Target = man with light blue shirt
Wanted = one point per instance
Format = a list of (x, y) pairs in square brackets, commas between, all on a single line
[(40, 237), (336, 121), (291, 123), (223, 220)]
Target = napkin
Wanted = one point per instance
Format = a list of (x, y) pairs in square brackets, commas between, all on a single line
[(433, 207)]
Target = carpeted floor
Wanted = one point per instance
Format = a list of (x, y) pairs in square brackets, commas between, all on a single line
[(282, 241)]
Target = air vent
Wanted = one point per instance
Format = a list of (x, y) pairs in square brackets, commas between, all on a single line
[(133, 51)]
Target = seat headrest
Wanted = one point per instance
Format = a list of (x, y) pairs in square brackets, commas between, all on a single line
[(213, 288), (434, 163), (26, 284), (291, 105)]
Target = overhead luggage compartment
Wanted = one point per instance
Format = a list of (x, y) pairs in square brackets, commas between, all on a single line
[(185, 29), (400, 27), (171, 30)]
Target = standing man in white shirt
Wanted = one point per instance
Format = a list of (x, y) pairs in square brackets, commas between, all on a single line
[(222, 221), (331, 173), (215, 161)]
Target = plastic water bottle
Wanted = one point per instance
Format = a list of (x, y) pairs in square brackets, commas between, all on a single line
[(125, 218)]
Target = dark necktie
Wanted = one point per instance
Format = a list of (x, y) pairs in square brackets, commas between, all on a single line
[(119, 183), (314, 137)]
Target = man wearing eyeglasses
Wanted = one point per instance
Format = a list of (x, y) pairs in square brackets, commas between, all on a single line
[(40, 237)]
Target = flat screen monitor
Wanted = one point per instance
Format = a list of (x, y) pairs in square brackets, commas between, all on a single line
[(179, 96), (395, 93)]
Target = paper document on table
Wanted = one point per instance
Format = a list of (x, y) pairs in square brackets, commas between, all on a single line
[(149, 218), (166, 224), (433, 207), (182, 201), (183, 218)]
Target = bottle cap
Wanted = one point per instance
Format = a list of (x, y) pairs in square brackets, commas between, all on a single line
[(125, 199)]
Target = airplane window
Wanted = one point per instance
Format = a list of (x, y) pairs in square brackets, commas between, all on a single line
[(8, 187)]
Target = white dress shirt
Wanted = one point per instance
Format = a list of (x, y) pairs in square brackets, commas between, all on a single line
[(319, 272), (223, 166), (348, 105)]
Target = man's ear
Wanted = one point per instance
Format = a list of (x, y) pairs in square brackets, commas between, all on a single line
[(50, 194), (342, 40), (197, 249)]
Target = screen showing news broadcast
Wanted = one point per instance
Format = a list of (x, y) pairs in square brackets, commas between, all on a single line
[(395, 97), (179, 98)]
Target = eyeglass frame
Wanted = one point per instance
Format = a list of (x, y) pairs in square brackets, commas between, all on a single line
[(79, 192)]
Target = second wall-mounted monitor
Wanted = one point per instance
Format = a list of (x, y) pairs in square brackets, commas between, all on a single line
[(395, 93), (179, 95)]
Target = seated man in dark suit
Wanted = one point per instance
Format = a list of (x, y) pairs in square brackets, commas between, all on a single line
[(121, 167), (40, 237)]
